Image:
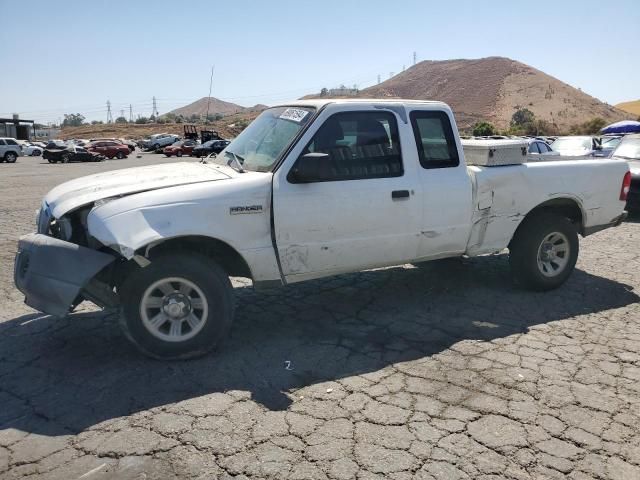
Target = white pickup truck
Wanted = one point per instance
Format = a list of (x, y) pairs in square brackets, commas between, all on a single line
[(308, 190)]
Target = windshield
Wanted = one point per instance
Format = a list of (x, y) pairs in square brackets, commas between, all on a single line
[(629, 148), (260, 145), (610, 142), (572, 143)]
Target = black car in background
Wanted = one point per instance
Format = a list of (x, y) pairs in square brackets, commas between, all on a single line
[(70, 154), (207, 148)]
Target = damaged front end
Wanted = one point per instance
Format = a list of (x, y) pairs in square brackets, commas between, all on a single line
[(61, 265)]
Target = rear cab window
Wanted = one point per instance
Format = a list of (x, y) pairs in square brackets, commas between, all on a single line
[(434, 139)]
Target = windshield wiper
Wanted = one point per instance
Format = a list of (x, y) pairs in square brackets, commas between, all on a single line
[(238, 159)]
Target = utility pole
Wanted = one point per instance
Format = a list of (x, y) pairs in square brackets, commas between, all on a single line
[(154, 113), (414, 58), (378, 79), (206, 118), (130, 114), (109, 116)]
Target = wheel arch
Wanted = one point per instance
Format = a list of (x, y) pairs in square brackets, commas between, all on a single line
[(568, 207), (224, 254)]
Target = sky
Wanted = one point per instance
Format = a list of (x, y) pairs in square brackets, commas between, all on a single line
[(72, 56)]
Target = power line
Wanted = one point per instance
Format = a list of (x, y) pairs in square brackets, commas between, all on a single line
[(209, 97), (154, 112), (109, 116)]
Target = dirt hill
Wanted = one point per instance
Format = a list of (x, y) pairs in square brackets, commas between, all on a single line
[(492, 89), (199, 107), (631, 107)]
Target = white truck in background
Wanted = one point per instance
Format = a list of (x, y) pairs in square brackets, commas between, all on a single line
[(308, 190)]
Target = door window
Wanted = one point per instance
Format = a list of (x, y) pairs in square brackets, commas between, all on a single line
[(359, 145), (533, 147), (434, 139)]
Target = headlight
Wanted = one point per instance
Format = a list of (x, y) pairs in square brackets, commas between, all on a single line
[(44, 217)]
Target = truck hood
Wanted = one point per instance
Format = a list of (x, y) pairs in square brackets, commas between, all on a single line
[(84, 190)]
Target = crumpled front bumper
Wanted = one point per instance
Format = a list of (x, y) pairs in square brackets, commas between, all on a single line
[(51, 272)]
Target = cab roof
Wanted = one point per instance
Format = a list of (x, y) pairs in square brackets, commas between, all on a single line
[(321, 102)]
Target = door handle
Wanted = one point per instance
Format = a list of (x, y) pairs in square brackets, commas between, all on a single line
[(397, 194)]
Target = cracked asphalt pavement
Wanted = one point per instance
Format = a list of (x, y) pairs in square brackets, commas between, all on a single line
[(443, 371)]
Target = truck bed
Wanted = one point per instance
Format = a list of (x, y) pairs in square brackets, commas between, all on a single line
[(504, 195)]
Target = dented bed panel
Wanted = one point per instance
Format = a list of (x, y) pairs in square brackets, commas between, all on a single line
[(505, 195), (51, 272)]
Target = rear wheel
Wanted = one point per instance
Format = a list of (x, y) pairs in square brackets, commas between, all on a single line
[(544, 251), (180, 306), (178, 153), (10, 157)]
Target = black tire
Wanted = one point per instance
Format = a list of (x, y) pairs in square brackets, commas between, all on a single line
[(120, 155), (36, 153), (532, 265), (179, 153), (10, 157), (65, 158), (168, 155), (212, 281)]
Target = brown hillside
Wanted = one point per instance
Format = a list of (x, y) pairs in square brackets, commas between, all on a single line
[(199, 107), (492, 89), (631, 107)]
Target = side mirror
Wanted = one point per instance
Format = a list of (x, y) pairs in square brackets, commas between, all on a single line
[(308, 168)]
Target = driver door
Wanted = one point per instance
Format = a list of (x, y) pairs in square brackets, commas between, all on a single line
[(362, 212)]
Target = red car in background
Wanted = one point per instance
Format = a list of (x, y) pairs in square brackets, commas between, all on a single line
[(178, 149), (109, 149)]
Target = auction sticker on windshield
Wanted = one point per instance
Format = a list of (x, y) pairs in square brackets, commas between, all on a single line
[(294, 114)]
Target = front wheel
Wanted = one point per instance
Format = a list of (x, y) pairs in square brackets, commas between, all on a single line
[(180, 306), (544, 251), (120, 155), (65, 158), (10, 157), (178, 153)]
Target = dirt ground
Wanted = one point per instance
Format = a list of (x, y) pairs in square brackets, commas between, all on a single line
[(438, 372)]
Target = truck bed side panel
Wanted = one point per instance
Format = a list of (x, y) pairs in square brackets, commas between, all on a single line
[(503, 196)]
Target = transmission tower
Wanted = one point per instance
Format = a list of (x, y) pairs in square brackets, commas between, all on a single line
[(414, 58), (122, 113), (109, 116), (378, 78), (130, 114), (154, 113), (391, 74)]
